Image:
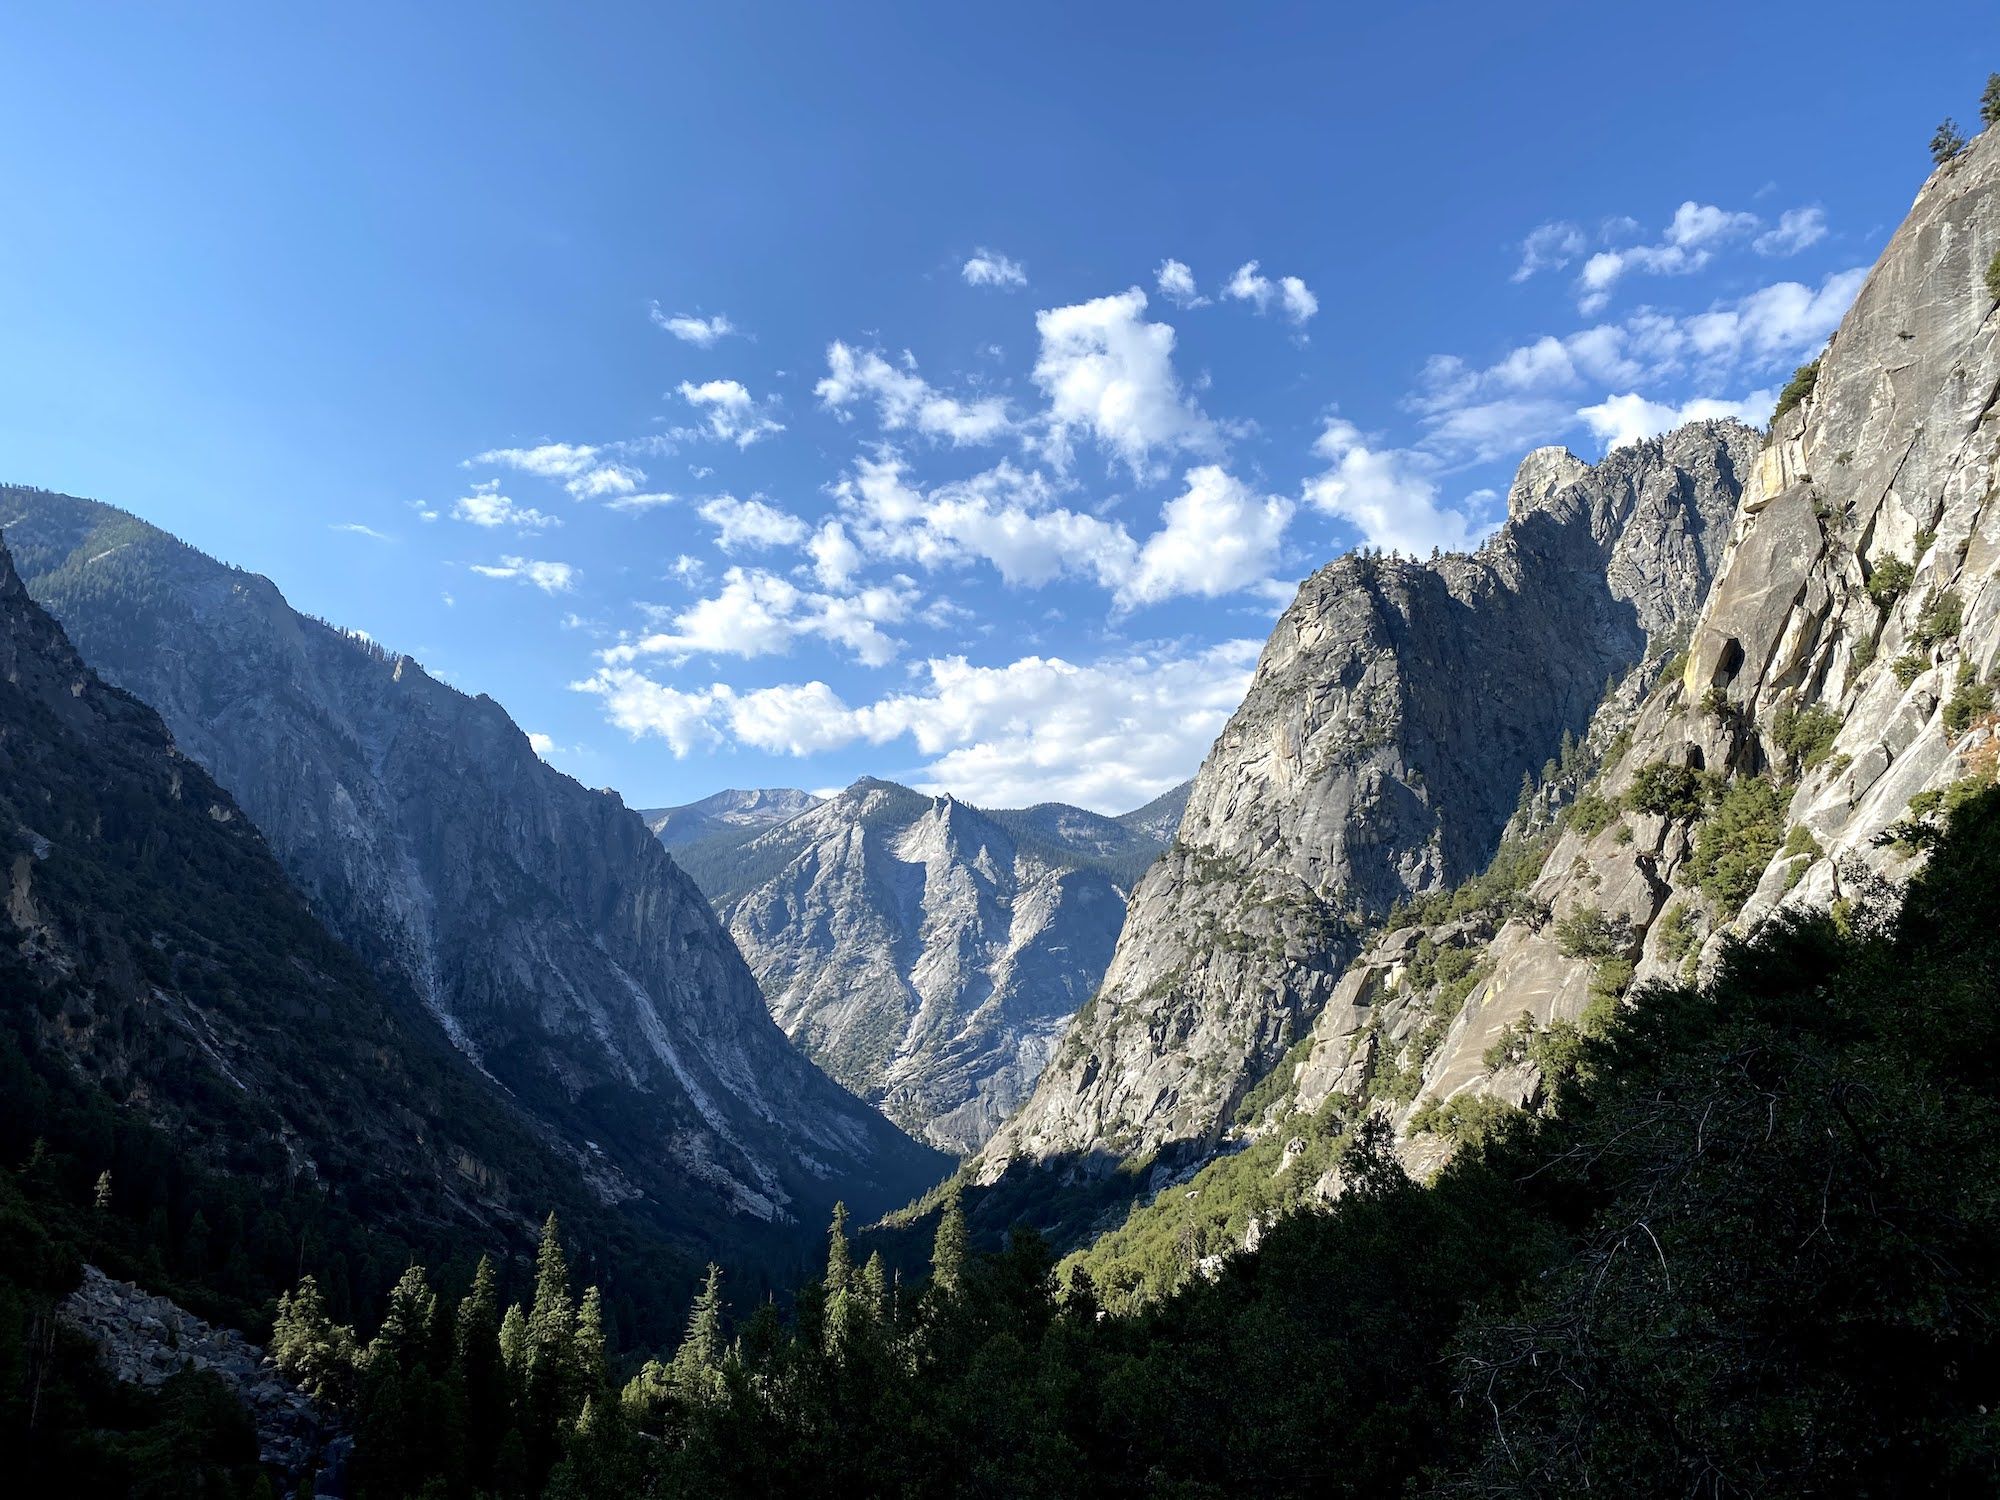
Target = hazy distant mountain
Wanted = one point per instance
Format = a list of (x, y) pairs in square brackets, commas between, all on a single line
[(1159, 818), (925, 952), (726, 811)]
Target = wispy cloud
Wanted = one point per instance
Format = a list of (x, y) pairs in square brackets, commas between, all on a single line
[(549, 577), (692, 328), (991, 268)]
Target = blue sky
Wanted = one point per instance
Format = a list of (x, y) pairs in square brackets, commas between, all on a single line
[(769, 395)]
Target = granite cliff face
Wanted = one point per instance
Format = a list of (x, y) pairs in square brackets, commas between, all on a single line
[(1837, 693), (540, 924), (152, 948), (924, 952), (1378, 754)]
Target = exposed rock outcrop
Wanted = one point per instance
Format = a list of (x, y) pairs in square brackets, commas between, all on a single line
[(145, 1340), (1378, 753)]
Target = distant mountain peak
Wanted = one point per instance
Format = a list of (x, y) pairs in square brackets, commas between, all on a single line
[(924, 950)]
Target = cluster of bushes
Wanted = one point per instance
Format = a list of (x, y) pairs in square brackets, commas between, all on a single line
[(1888, 582), (1797, 389), (1971, 700), (1806, 735)]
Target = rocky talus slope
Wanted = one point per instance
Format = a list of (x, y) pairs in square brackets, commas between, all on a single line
[(538, 924), (1837, 693), (924, 952), (145, 1340), (1378, 754)]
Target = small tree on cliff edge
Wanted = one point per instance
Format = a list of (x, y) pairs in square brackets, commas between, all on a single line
[(1946, 143)]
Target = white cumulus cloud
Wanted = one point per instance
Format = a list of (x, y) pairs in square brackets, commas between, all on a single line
[(731, 413), (587, 471), (1175, 282), (1108, 372), (486, 506), (1629, 418), (1388, 495), (1550, 247), (759, 613), (1215, 537), (751, 523), (903, 399), (1107, 734), (1294, 299), (1796, 230), (1688, 244)]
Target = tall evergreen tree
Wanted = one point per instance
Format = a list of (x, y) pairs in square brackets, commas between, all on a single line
[(479, 1373), (551, 1318), (872, 1286), (839, 1258), (405, 1334), (477, 1326), (951, 1247), (310, 1348), (593, 1365), (701, 1347), (514, 1348)]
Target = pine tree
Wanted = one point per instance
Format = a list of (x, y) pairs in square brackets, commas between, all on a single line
[(479, 1371), (514, 1347), (478, 1322), (950, 1248), (553, 1388), (873, 1286), (1989, 102), (552, 1318), (839, 1259), (1946, 143), (592, 1363), (405, 1333), (701, 1346), (310, 1348)]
